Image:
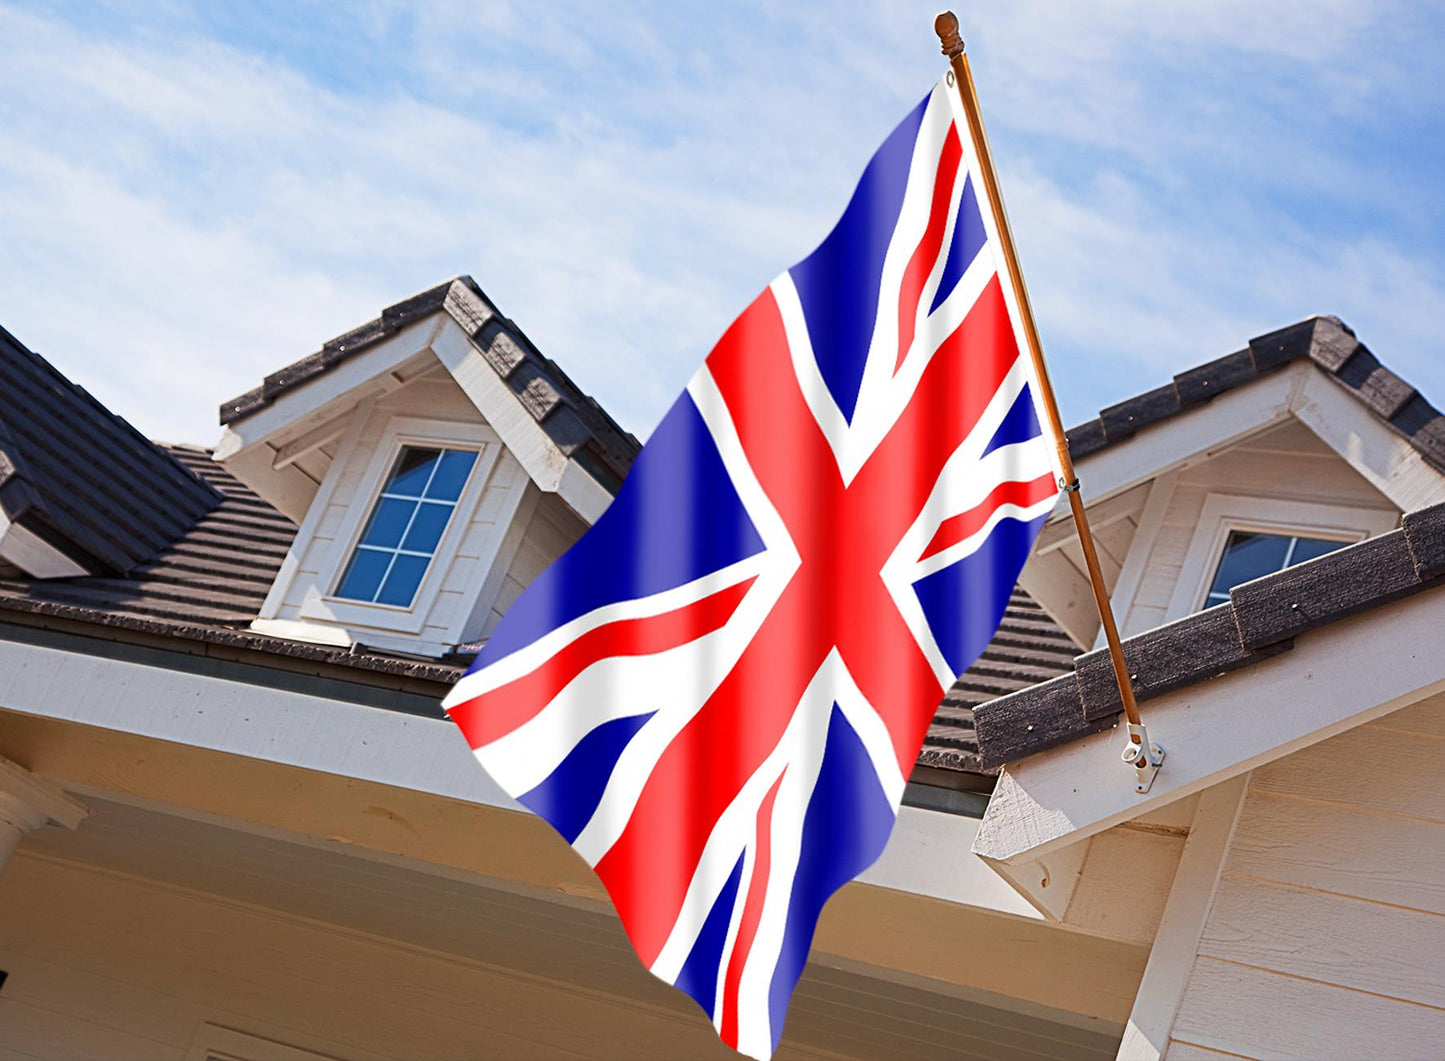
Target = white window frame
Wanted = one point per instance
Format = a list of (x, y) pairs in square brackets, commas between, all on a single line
[(321, 603), (1224, 513)]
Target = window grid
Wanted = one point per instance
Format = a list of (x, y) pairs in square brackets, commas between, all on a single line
[(399, 551), (419, 501)]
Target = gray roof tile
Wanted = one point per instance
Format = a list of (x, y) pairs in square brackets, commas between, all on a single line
[(1261, 619), (82, 478), (1327, 341), (579, 426)]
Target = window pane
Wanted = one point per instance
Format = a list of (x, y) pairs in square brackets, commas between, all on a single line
[(451, 475), (363, 574), (402, 583), (388, 522), (1309, 548), (1248, 556), (426, 529), (406, 525), (413, 469)]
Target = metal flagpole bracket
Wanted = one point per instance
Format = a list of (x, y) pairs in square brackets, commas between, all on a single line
[(1146, 763)]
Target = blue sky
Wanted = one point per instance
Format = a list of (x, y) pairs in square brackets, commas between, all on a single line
[(195, 195)]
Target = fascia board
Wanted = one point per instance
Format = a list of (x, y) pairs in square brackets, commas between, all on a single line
[(305, 406), (1222, 728), (1192, 434), (926, 855), (1387, 460), (552, 470)]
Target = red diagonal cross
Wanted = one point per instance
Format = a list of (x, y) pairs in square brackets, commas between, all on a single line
[(843, 534)]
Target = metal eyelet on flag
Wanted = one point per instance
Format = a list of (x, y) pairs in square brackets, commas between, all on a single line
[(949, 78)]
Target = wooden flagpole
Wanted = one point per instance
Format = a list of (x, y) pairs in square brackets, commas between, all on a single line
[(1139, 753)]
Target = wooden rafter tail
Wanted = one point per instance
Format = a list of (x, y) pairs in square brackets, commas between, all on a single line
[(1141, 754)]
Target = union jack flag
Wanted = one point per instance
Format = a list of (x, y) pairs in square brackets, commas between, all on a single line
[(717, 694)]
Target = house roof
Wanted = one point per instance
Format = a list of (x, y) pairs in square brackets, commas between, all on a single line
[(207, 586), (1261, 620), (1028, 648), (218, 571), (1326, 341), (575, 422), (1026, 692), (82, 479)]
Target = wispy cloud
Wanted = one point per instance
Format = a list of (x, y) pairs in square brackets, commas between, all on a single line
[(190, 200)]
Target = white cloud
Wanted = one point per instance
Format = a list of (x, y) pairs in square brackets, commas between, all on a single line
[(186, 206)]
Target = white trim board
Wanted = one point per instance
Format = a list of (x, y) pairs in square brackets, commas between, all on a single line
[(319, 400), (927, 854), (1141, 548), (551, 469), (1388, 461), (1335, 678), (1301, 390), (33, 555), (275, 725), (1190, 898)]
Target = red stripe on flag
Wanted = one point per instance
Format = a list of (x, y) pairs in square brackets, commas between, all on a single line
[(956, 528), (752, 914), (648, 869), (844, 535), (959, 382), (494, 714), (925, 256)]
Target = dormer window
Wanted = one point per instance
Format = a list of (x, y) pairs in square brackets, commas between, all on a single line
[(406, 523), (1253, 554), (1235, 538)]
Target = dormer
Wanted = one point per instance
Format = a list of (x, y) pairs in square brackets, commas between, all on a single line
[(1295, 446), (435, 463)]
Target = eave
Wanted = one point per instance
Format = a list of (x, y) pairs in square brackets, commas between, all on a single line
[(563, 438), (1316, 649), (1315, 372)]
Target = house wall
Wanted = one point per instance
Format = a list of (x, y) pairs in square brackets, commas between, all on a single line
[(447, 610), (1285, 466), (109, 966), (1326, 936), (550, 532)]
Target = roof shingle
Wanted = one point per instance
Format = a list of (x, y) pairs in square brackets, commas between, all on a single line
[(577, 424), (1327, 341), (80, 477), (1261, 620)]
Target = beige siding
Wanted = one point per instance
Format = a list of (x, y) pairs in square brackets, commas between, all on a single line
[(108, 966), (1286, 464), (550, 532), (1327, 934)]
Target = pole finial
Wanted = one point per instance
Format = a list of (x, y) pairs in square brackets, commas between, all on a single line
[(946, 26)]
